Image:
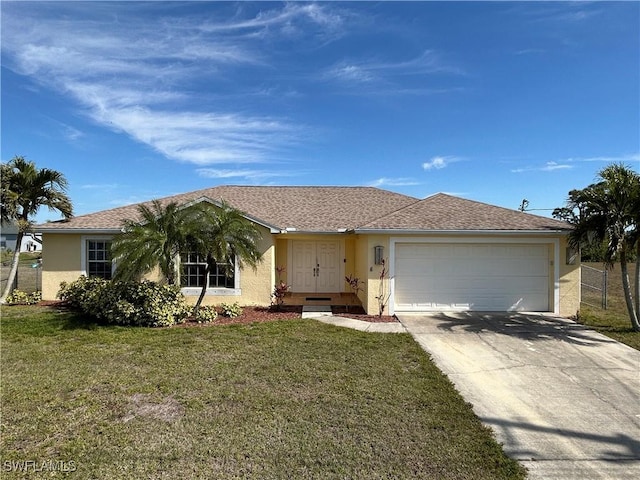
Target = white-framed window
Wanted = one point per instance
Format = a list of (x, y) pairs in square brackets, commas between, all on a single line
[(222, 279), (96, 257)]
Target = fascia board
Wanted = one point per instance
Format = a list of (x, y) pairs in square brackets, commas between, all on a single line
[(461, 232)]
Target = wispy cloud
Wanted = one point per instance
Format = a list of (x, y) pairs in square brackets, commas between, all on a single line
[(547, 167), (140, 75), (631, 157), (355, 73), (439, 162), (393, 182), (246, 174), (569, 163), (100, 186)]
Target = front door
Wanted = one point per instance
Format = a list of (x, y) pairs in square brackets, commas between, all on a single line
[(315, 266)]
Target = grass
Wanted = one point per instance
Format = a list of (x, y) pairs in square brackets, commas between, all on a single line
[(614, 321), (285, 399)]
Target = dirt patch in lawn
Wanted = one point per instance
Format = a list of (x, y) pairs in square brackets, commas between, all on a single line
[(140, 405)]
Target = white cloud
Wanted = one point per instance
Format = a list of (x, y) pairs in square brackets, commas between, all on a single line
[(439, 162), (251, 175), (100, 186), (358, 72), (547, 167), (551, 166), (631, 157), (393, 182), (569, 163), (137, 76)]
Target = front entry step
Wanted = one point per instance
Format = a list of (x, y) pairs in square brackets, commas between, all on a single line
[(314, 311)]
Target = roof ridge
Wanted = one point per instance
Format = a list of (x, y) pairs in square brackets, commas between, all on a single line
[(390, 213)]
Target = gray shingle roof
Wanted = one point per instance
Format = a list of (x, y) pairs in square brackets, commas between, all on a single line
[(311, 209), (331, 209), (443, 212)]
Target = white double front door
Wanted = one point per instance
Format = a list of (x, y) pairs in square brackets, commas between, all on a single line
[(315, 266)]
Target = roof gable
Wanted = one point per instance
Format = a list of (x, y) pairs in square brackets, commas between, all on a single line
[(442, 212)]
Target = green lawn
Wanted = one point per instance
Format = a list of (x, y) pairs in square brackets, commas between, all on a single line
[(286, 399), (614, 321)]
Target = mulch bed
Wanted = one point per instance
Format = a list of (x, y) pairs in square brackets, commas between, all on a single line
[(268, 314), (286, 312)]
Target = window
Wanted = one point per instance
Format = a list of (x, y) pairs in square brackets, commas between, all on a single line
[(222, 275), (99, 259)]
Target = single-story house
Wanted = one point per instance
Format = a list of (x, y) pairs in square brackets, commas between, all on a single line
[(442, 253), (31, 242)]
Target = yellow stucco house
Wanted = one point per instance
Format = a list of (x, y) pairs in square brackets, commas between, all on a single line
[(442, 253)]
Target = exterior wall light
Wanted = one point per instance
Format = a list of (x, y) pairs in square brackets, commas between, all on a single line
[(378, 254)]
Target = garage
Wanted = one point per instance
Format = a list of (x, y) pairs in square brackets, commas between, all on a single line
[(471, 276)]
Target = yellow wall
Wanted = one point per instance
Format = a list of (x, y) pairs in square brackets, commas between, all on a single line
[(569, 283), (375, 287), (61, 262), (282, 259)]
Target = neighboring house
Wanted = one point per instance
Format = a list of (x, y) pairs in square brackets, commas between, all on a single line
[(9, 235), (443, 253)]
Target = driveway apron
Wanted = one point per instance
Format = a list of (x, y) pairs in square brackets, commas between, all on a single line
[(561, 398)]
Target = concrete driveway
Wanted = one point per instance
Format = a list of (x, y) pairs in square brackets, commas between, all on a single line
[(562, 399)]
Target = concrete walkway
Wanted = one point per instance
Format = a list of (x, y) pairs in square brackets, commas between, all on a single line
[(562, 399), (323, 314)]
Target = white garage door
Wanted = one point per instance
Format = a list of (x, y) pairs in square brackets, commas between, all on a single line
[(478, 277)]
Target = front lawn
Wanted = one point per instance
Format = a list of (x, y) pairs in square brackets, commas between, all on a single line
[(286, 399)]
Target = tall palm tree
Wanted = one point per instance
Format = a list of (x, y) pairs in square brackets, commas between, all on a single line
[(26, 188), (154, 240), (225, 236), (610, 211)]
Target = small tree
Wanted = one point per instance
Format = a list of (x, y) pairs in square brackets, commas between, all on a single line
[(224, 235), (280, 290), (609, 211), (355, 283), (383, 288), (26, 188)]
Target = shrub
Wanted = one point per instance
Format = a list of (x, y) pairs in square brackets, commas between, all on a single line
[(230, 311), (279, 294), (82, 293), (18, 297), (126, 303), (206, 314)]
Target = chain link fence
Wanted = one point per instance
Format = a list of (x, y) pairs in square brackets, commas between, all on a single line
[(28, 279), (594, 286)]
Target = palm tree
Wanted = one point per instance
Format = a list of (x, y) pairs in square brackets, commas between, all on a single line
[(226, 236), (610, 211), (154, 240), (26, 188)]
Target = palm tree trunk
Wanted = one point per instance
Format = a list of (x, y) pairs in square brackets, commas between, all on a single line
[(637, 280), (633, 315), (14, 268), (207, 269)]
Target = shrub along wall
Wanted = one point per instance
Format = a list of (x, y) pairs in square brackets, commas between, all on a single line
[(126, 303)]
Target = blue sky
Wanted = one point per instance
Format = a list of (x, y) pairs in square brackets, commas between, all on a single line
[(494, 102)]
